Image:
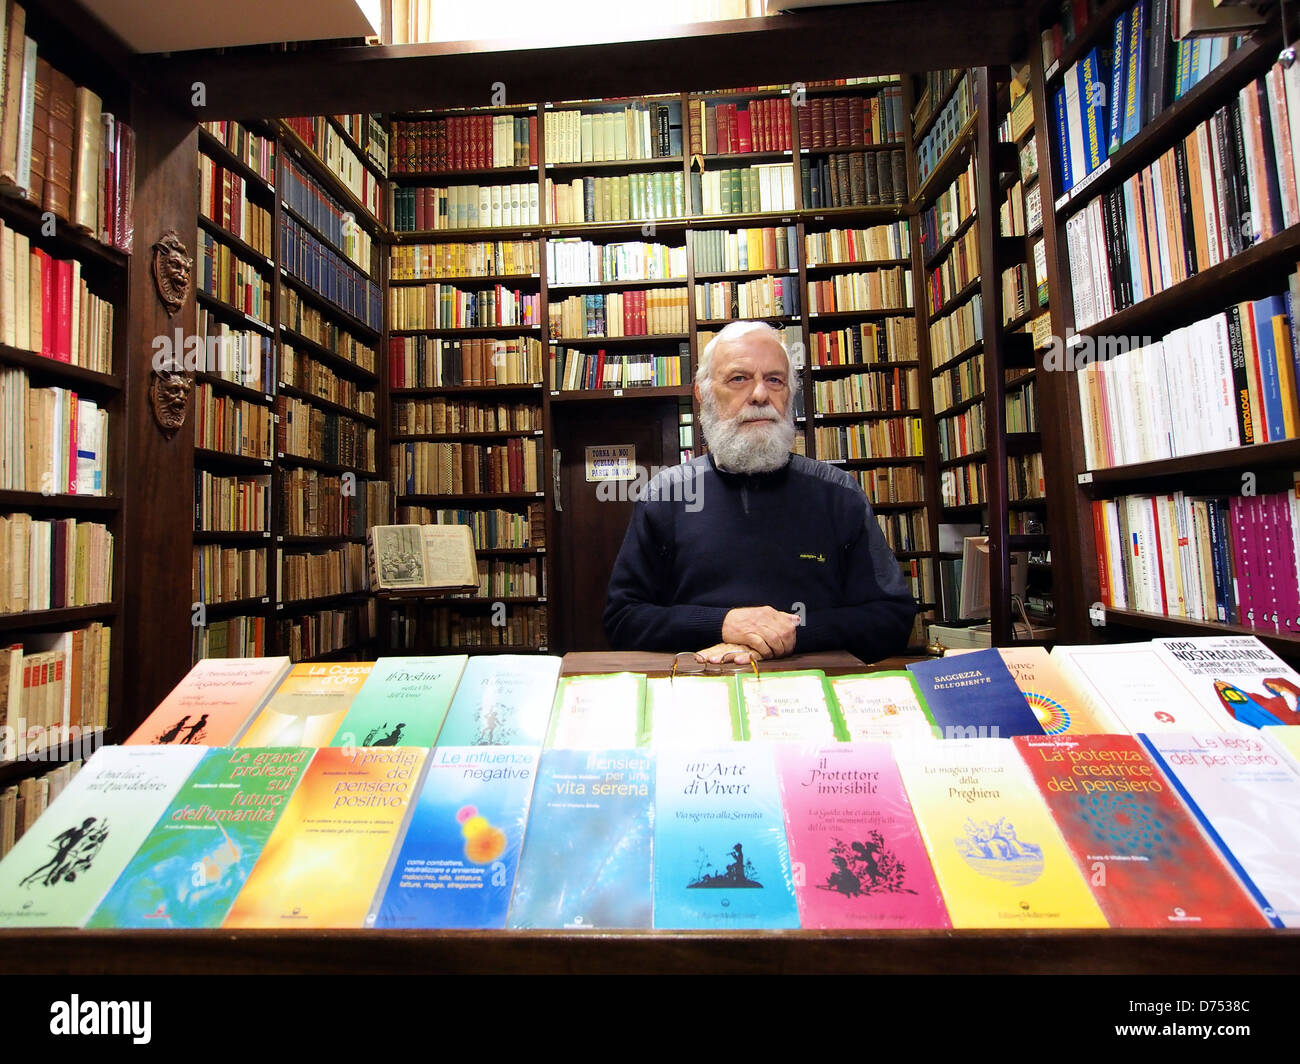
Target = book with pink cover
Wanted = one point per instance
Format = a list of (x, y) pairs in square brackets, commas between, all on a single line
[(857, 855), (213, 704)]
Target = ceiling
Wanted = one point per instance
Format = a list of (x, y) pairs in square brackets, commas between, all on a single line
[(182, 25)]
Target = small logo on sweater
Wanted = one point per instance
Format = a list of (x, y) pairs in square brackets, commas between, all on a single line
[(814, 557)]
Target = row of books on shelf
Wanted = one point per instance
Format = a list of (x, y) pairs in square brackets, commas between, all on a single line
[(22, 803), (761, 125), (963, 485), (300, 317), (309, 635), (895, 437), (950, 210), (763, 297), (950, 121), (53, 685), (1021, 408), (370, 135), (887, 289), (322, 435), (56, 564), (852, 179), (492, 529), (222, 273), (1217, 383), (228, 574), (321, 504), (239, 355), (429, 362), (230, 425), (629, 197), (230, 637), (330, 218), (465, 142), (1025, 480), (892, 484), (867, 392), (1228, 185), (706, 788), (1113, 91), (223, 199), (337, 570), (428, 468), (956, 385), (583, 370), (483, 258), (442, 415), (954, 273), (332, 149), (507, 579), (445, 306), (1233, 558), (523, 627), (955, 335), (300, 369), (572, 260), (850, 121), (54, 442), (652, 312), (328, 274), (906, 531), (47, 307), (762, 187), (254, 150), (232, 503), (876, 243), (465, 207), (891, 340), (962, 434), (639, 130), (59, 149)]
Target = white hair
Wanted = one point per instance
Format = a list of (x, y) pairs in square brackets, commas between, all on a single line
[(735, 331)]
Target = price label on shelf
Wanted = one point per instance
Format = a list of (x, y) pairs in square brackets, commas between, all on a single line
[(1085, 478)]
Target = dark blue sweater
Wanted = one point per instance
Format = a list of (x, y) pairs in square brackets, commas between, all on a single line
[(705, 541)]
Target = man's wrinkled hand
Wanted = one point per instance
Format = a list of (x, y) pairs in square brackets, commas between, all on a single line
[(762, 628), (727, 654)]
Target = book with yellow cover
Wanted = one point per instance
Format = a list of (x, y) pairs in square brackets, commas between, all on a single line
[(309, 705), (998, 855), (1059, 707), (213, 704), (322, 864)]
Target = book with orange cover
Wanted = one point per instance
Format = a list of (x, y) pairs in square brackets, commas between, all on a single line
[(213, 704)]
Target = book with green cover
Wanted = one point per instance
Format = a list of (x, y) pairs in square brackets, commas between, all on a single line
[(502, 700), (691, 710), (402, 703), (192, 865), (883, 707), (599, 712), (789, 707)]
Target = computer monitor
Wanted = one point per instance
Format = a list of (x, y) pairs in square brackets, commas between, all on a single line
[(974, 603)]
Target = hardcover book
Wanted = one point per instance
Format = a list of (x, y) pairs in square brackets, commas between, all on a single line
[(194, 862), (857, 856), (213, 704), (1236, 679), (456, 864), (994, 847), (1246, 797), (602, 712), (789, 707), (974, 696), (64, 864), (883, 707), (586, 857), (421, 557), (309, 706), (720, 856), (502, 700), (1132, 840), (691, 710), (324, 860), (402, 703)]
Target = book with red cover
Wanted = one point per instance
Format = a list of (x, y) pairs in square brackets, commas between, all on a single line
[(1138, 848)]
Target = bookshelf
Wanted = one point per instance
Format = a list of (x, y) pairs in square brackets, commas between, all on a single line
[(66, 241)]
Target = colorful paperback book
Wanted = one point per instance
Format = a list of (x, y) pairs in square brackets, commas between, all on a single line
[(790, 707), (1236, 678), (691, 710), (59, 871), (325, 858), (974, 696), (456, 865), (856, 853), (1060, 709), (402, 703), (720, 856), (309, 705), (883, 707), (600, 712), (1246, 797), (995, 849), (189, 870), (586, 859), (1132, 839), (1131, 684), (212, 705), (502, 700)]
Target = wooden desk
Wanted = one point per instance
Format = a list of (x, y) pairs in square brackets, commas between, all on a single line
[(833, 663)]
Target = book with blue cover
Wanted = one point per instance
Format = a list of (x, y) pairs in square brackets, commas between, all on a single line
[(720, 854), (974, 696), (192, 865), (402, 703), (586, 858), (455, 866), (502, 700)]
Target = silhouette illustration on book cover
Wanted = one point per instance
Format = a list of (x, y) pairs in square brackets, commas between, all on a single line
[(863, 868), (179, 735), (993, 850), (1257, 710), (494, 725), (740, 872), (375, 736), (483, 842), (75, 850)]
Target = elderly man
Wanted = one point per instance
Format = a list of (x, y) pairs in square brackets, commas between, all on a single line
[(769, 553)]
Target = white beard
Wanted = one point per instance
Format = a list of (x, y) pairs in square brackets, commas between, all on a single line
[(741, 448)]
